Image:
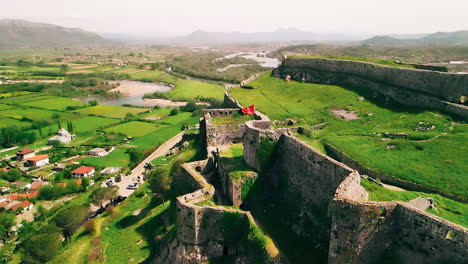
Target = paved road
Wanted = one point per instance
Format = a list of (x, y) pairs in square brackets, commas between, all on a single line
[(138, 170)]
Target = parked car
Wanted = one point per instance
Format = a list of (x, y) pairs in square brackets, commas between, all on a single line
[(110, 183), (118, 178), (132, 186), (118, 200)]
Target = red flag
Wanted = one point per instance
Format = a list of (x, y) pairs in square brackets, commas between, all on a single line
[(249, 110)]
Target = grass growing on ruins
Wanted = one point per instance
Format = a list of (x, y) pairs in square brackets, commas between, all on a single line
[(350, 58), (185, 89), (451, 210), (235, 150), (231, 120), (434, 158)]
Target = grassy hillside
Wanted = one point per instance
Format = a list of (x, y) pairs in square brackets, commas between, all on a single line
[(434, 158)]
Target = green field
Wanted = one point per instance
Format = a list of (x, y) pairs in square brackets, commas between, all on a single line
[(185, 89), (133, 128), (5, 122), (114, 111), (4, 107), (82, 124), (446, 208), (29, 113), (25, 98), (435, 158), (55, 103), (5, 95), (117, 158)]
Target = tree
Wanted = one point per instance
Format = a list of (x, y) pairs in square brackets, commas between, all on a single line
[(7, 221), (100, 195), (70, 218), (129, 116), (63, 69), (160, 182), (190, 106), (93, 103), (43, 247), (55, 116), (135, 155), (173, 112)]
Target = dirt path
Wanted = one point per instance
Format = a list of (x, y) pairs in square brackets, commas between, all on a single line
[(393, 188)]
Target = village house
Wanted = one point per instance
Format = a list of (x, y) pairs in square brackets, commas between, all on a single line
[(24, 154), (63, 136), (83, 171), (59, 166), (15, 205), (38, 161), (98, 152), (110, 170)]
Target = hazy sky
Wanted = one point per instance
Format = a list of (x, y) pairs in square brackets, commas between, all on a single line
[(184, 16)]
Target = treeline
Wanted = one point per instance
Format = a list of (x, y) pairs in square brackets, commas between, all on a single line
[(11, 136), (206, 65), (73, 86)]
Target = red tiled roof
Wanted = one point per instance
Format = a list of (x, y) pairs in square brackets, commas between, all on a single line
[(34, 194), (36, 185), (4, 204), (82, 170), (38, 158), (24, 151), (4, 169), (18, 196), (23, 204)]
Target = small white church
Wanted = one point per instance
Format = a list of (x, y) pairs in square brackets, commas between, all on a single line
[(62, 136)]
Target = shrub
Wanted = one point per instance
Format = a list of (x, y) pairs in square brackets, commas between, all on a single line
[(173, 112), (90, 227)]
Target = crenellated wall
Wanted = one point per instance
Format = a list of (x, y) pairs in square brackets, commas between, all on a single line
[(411, 87)]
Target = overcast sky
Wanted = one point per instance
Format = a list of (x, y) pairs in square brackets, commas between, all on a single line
[(184, 16)]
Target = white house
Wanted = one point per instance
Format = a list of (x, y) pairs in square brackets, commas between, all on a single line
[(98, 152), (38, 161), (83, 171), (62, 136)]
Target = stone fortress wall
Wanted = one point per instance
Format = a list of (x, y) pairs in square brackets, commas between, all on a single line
[(199, 234), (217, 135), (359, 231), (356, 230), (411, 87)]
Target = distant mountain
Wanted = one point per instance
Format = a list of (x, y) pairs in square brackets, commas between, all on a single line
[(440, 38), (280, 35), (22, 33), (458, 37)]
